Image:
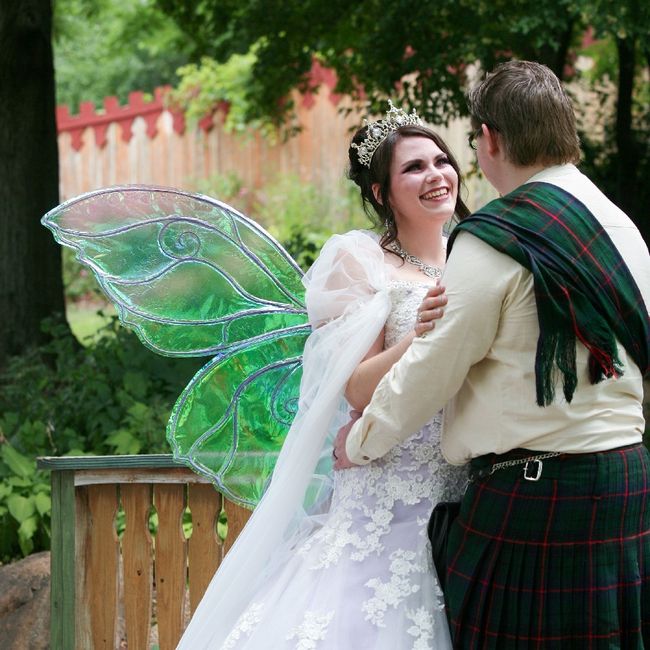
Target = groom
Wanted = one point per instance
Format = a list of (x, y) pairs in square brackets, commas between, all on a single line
[(539, 362)]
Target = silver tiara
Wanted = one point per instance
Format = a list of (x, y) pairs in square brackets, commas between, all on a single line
[(377, 131)]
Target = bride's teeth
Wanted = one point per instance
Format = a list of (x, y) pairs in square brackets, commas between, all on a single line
[(434, 194)]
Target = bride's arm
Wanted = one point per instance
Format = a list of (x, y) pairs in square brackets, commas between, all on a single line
[(378, 362)]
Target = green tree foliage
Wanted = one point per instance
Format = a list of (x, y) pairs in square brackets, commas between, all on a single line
[(110, 47), (424, 53), (619, 161), (206, 85)]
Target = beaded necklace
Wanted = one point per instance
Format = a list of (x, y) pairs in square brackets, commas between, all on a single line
[(423, 267)]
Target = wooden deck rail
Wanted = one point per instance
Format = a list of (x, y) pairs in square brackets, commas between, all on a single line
[(98, 576)]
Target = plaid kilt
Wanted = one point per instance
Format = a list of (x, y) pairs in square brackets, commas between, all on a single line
[(563, 562)]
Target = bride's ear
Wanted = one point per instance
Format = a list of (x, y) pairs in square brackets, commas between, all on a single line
[(376, 190)]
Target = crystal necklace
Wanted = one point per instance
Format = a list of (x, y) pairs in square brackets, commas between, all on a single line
[(427, 269)]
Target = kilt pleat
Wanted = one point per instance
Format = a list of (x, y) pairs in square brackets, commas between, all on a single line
[(563, 562)]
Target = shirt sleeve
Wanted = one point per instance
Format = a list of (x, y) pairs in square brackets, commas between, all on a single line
[(434, 367)]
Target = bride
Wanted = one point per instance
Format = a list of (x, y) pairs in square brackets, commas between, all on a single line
[(340, 559)]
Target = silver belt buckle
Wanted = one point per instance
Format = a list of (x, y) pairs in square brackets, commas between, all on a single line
[(538, 472)]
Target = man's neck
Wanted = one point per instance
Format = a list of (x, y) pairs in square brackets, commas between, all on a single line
[(512, 176)]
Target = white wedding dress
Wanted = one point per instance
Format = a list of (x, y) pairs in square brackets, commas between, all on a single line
[(365, 578), (358, 576)]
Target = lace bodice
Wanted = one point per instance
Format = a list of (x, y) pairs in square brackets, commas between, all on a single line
[(406, 297), (416, 467)]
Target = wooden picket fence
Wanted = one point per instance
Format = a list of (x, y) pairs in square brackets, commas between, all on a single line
[(151, 582)]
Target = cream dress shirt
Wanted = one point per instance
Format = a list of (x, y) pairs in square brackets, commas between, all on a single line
[(479, 361)]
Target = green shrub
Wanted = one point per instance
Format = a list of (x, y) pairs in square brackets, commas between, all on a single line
[(25, 504), (112, 397)]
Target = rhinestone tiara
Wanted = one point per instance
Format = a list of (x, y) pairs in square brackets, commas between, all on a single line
[(377, 131)]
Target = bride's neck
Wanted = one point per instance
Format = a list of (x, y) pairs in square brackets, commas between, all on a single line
[(426, 245)]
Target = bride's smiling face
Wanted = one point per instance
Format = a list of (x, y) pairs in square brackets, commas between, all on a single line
[(423, 183)]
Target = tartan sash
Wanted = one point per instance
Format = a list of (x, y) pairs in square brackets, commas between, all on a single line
[(583, 288)]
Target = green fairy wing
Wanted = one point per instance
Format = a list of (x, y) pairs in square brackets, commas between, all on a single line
[(191, 275), (194, 277), (253, 391)]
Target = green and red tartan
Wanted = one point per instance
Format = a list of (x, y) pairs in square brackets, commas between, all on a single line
[(563, 562), (583, 289)]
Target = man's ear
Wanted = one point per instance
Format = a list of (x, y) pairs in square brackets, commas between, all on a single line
[(491, 139), (376, 190)]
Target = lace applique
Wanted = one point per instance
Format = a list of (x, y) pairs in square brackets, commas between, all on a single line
[(247, 622), (312, 629), (422, 628), (397, 589)]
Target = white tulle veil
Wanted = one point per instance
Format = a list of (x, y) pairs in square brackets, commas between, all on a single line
[(348, 303)]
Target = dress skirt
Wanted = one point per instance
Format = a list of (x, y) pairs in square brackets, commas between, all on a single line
[(561, 562)]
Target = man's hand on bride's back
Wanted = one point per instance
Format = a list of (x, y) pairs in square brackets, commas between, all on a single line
[(430, 310)]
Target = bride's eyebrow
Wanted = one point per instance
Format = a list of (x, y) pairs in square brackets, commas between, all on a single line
[(412, 161)]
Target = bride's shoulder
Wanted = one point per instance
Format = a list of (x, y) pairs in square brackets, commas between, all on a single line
[(354, 237), (354, 244), (351, 257)]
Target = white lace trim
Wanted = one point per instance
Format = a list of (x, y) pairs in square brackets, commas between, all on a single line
[(394, 591), (422, 628)]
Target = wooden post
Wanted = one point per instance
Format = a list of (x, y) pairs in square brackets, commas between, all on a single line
[(237, 518), (62, 562), (101, 561), (204, 548), (170, 564)]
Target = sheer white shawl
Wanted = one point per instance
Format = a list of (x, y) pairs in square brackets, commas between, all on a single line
[(348, 304)]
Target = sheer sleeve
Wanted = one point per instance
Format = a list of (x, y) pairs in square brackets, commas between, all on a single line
[(349, 270), (348, 304)]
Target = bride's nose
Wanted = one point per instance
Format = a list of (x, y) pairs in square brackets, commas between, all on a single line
[(433, 173)]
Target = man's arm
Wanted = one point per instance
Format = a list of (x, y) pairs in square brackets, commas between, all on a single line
[(433, 369)]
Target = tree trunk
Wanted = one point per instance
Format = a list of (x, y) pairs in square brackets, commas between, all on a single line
[(630, 183), (624, 140), (31, 286)]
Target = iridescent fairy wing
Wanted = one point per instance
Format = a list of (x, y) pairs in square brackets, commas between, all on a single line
[(191, 275), (194, 277), (254, 390)]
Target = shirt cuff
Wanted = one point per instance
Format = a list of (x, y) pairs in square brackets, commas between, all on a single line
[(353, 445)]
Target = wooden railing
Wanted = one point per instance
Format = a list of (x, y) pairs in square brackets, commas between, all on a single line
[(137, 582)]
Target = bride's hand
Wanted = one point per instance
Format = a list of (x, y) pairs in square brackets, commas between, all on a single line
[(341, 460), (430, 310)]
